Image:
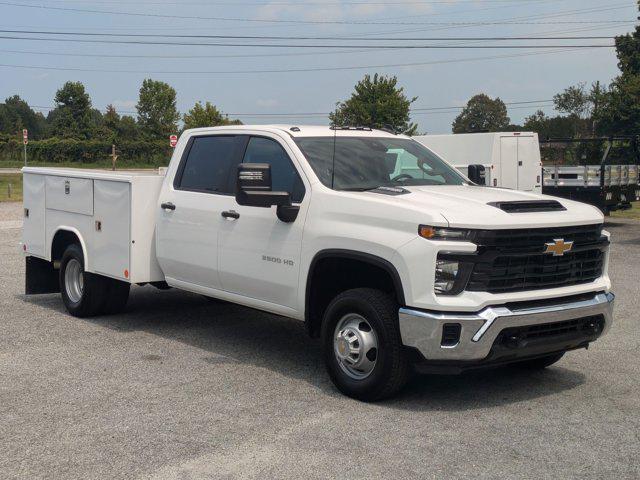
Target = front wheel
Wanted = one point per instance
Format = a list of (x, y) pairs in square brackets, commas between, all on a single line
[(362, 347)]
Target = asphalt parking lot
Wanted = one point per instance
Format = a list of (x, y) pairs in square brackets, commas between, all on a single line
[(179, 387)]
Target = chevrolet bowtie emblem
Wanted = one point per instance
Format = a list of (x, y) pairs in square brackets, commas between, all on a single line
[(558, 247)]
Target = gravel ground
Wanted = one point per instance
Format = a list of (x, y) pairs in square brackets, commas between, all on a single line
[(179, 387), (10, 212)]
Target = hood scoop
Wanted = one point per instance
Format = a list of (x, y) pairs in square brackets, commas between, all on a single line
[(528, 206)]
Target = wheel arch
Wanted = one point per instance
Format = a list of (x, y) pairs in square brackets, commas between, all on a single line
[(316, 304), (62, 238)]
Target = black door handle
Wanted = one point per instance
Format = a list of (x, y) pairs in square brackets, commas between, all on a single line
[(168, 206), (231, 214)]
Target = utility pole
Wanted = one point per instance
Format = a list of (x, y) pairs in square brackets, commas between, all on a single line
[(114, 157), (25, 140)]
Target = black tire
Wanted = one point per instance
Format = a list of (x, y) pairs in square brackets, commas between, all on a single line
[(391, 369), (540, 363), (91, 300), (116, 297)]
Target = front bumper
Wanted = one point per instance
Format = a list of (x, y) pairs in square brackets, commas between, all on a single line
[(478, 332)]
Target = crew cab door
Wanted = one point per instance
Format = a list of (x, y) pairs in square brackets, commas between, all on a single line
[(190, 208), (259, 255)]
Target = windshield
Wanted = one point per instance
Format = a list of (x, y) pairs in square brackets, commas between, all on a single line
[(363, 163)]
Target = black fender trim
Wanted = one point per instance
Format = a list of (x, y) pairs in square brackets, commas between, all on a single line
[(353, 255)]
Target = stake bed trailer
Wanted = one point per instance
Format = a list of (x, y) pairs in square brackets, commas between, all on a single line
[(609, 180), (391, 264)]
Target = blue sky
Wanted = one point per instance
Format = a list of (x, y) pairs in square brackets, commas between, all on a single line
[(439, 78)]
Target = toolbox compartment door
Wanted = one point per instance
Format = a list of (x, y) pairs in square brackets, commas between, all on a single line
[(69, 194), (33, 233), (112, 236)]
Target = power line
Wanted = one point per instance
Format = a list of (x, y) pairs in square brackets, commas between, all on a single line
[(284, 3), (290, 70), (280, 45), (281, 21), (246, 55), (249, 55), (417, 111), (179, 56), (518, 3), (281, 37)]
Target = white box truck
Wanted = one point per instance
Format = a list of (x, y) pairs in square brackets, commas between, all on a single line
[(509, 159), (390, 268)]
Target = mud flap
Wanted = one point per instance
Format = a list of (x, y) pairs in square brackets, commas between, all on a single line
[(40, 277)]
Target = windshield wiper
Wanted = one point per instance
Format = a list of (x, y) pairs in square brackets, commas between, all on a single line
[(360, 189)]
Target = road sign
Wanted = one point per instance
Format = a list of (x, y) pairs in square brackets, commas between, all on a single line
[(25, 136), (173, 140)]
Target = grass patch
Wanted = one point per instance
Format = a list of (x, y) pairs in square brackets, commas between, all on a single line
[(633, 213), (15, 180)]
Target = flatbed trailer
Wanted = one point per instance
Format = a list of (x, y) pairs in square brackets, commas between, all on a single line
[(603, 172)]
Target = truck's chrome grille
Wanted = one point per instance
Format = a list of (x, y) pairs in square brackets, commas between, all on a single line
[(515, 260)]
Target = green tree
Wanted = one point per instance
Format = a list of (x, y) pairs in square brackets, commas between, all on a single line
[(377, 102), (573, 100), (73, 116), (482, 113), (112, 119), (128, 129), (549, 127), (619, 111), (157, 112), (16, 114), (581, 105), (118, 129), (206, 115)]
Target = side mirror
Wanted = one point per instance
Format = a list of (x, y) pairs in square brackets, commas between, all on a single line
[(253, 189), (477, 175)]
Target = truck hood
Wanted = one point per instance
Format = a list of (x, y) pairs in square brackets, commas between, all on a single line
[(467, 206)]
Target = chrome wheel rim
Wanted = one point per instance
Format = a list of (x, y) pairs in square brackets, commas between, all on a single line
[(74, 280), (355, 345)]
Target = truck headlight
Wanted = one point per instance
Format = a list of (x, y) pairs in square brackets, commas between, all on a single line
[(442, 233), (446, 275)]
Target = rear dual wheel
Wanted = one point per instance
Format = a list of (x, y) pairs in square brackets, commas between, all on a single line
[(85, 294)]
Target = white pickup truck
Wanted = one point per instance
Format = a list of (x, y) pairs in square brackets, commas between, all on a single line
[(394, 268)]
